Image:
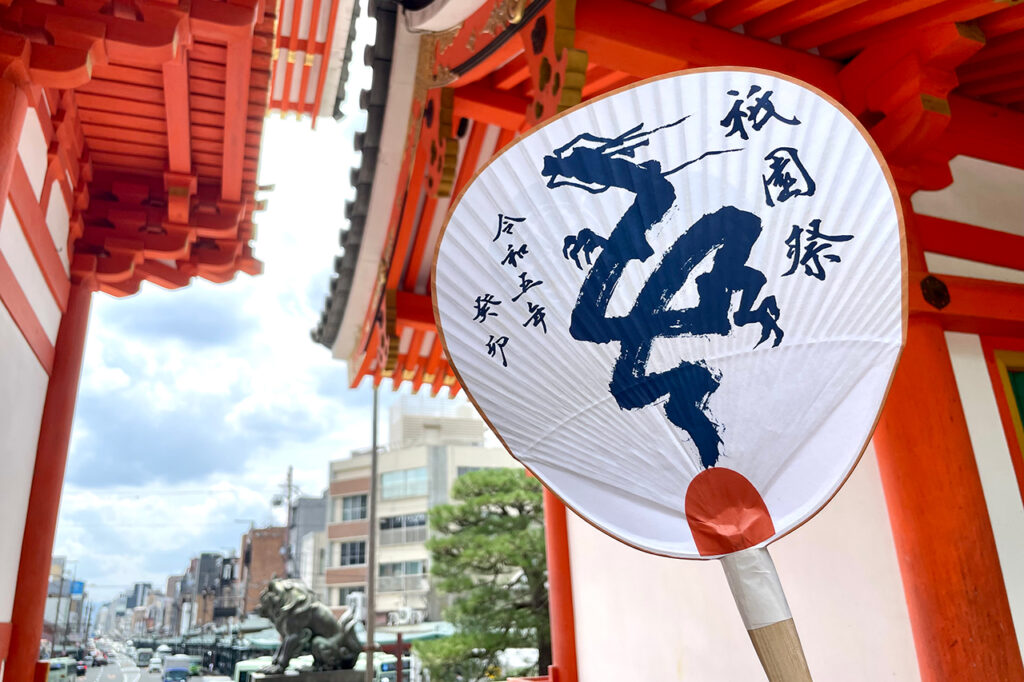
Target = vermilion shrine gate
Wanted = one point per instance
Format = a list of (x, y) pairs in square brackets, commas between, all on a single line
[(940, 85)]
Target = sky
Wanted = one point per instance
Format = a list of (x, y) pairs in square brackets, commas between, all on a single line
[(194, 402)]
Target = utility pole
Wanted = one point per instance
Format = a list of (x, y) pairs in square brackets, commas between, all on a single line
[(71, 600), (289, 559), (56, 614), (371, 554)]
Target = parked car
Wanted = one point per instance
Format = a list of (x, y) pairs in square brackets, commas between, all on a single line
[(81, 668), (155, 665)]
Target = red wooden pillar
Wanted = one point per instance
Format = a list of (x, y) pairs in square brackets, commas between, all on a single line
[(563, 620), (47, 481), (951, 574)]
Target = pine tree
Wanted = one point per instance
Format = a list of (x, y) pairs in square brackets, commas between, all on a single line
[(487, 549)]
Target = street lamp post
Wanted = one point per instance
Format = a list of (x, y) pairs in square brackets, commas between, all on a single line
[(371, 552)]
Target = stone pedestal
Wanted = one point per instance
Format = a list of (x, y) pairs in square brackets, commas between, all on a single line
[(311, 676)]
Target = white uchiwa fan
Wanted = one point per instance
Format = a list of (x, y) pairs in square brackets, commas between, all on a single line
[(681, 305)]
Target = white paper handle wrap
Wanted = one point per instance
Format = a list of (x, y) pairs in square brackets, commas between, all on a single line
[(756, 588)]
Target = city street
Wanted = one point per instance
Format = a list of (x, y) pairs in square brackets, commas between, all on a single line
[(120, 669), (114, 673)]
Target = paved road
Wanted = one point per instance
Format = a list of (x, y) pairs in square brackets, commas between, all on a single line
[(120, 669), (123, 669)]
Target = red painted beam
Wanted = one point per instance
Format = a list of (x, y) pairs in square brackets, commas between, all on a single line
[(863, 16), (731, 13), (419, 245), (969, 241), (410, 206), (307, 67), (415, 311), (653, 42), (322, 76), (794, 15), (1003, 21), (687, 8), (976, 306), (928, 18), (176, 105), (511, 75), (470, 158), (236, 106), (984, 131), (293, 46), (991, 87), (485, 105)]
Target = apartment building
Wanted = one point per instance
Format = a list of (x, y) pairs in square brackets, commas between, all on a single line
[(430, 446)]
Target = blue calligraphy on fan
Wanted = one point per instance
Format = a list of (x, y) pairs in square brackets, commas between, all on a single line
[(787, 177), (760, 112), (484, 307), (595, 164), (816, 247)]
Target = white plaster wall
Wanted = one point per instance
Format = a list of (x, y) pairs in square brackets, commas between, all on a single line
[(22, 393), (57, 219), (995, 467), (26, 270), (645, 618), (983, 193), (32, 150)]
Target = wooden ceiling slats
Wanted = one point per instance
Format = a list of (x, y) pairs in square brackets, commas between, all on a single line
[(847, 22), (732, 13), (207, 70), (1013, 95), (126, 161), (135, 76), (128, 148), (125, 91), (950, 11), (121, 121), (201, 86), (1002, 22), (687, 8), (795, 15), (208, 52), (983, 88), (1005, 49), (97, 132), (117, 105)]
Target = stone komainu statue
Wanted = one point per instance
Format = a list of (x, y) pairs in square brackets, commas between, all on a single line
[(306, 625)]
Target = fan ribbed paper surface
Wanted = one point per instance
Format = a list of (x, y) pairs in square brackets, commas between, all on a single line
[(703, 270)]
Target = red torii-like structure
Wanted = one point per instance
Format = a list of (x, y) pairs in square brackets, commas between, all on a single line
[(931, 79)]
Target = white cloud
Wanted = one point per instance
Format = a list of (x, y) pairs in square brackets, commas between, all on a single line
[(193, 403)]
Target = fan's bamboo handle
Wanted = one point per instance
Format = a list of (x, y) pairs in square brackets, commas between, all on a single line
[(782, 657), (758, 593)]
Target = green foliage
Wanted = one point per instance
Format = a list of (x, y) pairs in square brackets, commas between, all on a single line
[(488, 549)]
